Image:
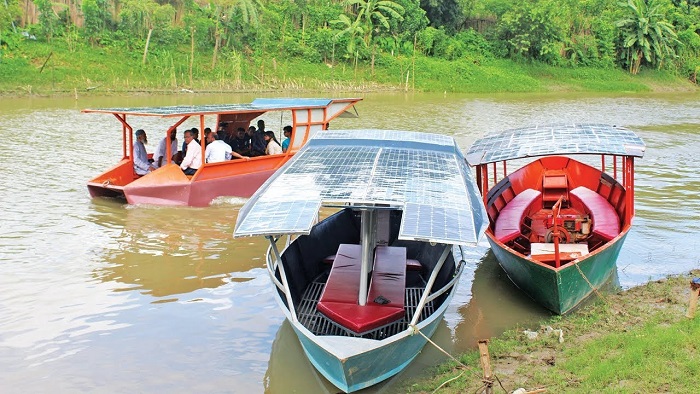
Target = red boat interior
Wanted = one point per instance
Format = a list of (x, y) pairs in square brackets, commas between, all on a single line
[(525, 214), (323, 270), (385, 301)]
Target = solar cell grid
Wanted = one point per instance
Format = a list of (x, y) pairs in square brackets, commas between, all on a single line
[(427, 182), (556, 139)]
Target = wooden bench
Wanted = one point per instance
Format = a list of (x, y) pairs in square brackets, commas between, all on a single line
[(509, 218), (385, 301), (606, 221)]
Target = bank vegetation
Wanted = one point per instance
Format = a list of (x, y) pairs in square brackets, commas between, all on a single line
[(451, 45)]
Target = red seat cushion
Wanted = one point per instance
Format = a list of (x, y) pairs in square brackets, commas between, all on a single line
[(343, 283), (385, 299), (509, 218), (606, 221)]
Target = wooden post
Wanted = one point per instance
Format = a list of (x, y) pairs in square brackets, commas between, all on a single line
[(694, 294), (145, 50), (191, 55), (486, 366)]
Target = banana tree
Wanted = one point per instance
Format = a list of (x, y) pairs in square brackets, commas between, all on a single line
[(646, 34)]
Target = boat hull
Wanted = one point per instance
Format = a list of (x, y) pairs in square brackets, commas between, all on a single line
[(562, 289), (352, 364)]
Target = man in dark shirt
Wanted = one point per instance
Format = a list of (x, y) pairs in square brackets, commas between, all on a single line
[(241, 143), (257, 139)]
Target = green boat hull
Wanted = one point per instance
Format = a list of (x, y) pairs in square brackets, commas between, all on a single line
[(559, 290)]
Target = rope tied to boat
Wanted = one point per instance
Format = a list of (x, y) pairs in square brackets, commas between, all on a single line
[(464, 367), (106, 183), (605, 300)]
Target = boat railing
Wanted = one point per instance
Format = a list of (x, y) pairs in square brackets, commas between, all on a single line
[(448, 286)]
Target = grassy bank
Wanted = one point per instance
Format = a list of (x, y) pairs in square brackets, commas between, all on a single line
[(637, 341), (37, 68)]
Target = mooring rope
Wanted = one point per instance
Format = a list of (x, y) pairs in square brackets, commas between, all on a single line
[(591, 285), (463, 366)]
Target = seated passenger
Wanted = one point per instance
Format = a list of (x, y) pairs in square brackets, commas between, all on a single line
[(273, 147), (195, 133), (287, 137), (193, 159), (159, 155), (141, 164), (218, 150), (241, 143), (257, 141)]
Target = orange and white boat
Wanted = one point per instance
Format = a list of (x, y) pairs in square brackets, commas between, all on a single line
[(168, 185)]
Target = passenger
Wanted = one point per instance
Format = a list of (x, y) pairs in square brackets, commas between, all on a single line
[(228, 136), (217, 150), (141, 164), (207, 131), (257, 140), (241, 143), (287, 130), (161, 150), (195, 133), (273, 147), (193, 159)]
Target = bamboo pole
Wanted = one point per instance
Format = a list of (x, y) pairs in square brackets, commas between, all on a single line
[(191, 54), (45, 61), (145, 50), (486, 366), (694, 294)]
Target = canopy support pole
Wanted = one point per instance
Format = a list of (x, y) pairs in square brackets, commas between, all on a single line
[(429, 285), (368, 227), (280, 266)]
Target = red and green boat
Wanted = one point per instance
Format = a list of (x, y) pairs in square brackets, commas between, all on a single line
[(557, 223)]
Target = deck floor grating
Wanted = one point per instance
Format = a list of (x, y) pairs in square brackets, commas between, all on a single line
[(318, 324)]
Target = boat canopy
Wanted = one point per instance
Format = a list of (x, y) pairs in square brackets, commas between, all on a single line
[(556, 139), (258, 105), (424, 175)]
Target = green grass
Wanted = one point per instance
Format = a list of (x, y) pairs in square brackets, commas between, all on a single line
[(75, 66), (639, 341)]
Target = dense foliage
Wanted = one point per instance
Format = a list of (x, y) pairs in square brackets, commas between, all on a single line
[(631, 34)]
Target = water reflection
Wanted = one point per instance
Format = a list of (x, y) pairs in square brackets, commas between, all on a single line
[(166, 251)]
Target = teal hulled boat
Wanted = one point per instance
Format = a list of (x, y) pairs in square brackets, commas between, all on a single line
[(365, 287), (557, 224)]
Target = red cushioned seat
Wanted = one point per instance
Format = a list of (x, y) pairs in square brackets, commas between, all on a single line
[(508, 221), (413, 265), (606, 222), (339, 300)]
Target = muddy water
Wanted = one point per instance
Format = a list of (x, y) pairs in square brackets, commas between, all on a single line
[(102, 297)]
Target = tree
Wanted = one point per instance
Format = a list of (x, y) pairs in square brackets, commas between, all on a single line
[(646, 34), (225, 26), (48, 19), (446, 13), (373, 14), (97, 17)]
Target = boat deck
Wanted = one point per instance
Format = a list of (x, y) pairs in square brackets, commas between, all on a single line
[(318, 324)]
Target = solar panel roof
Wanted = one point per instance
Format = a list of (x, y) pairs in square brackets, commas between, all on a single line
[(556, 139), (264, 104), (425, 175)]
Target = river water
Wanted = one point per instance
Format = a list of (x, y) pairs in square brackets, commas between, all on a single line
[(102, 297)]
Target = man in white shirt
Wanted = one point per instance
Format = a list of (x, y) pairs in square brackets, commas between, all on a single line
[(217, 150), (159, 155), (193, 159)]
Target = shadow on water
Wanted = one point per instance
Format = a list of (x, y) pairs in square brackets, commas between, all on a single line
[(166, 251)]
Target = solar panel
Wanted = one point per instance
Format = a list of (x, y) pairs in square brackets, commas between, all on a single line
[(268, 104), (424, 175), (556, 139)]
